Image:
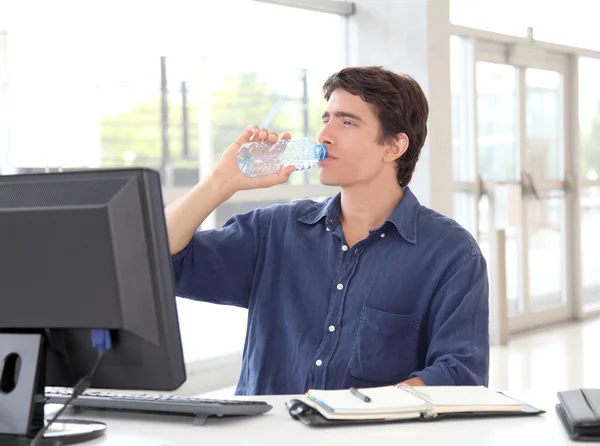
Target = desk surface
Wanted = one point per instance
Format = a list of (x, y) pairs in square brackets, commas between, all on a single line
[(278, 428)]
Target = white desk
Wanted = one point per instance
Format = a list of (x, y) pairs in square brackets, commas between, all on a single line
[(278, 428)]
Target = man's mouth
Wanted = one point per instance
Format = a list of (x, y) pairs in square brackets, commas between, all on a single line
[(328, 159)]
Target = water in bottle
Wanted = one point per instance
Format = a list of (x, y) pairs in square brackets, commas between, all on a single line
[(262, 158)]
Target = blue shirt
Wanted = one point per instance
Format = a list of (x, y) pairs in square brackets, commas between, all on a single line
[(409, 300)]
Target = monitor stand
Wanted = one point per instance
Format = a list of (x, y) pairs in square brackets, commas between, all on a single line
[(22, 396)]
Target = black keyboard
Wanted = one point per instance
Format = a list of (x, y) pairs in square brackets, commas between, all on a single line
[(165, 404)]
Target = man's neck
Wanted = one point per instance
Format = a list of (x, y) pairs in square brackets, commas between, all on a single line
[(366, 207)]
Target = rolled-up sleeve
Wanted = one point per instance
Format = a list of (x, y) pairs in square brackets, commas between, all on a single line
[(218, 265), (458, 352)]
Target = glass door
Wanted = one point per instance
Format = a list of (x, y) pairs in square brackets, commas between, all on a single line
[(497, 146), (544, 184), (515, 140)]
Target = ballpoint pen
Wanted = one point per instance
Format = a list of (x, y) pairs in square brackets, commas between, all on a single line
[(362, 396)]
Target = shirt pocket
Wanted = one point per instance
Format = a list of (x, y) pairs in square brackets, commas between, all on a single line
[(386, 346)]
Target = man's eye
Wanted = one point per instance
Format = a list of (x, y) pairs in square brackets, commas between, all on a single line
[(349, 123)]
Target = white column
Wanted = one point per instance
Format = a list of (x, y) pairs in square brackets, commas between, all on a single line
[(413, 37)]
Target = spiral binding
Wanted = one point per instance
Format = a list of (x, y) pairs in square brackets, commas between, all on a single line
[(429, 413)]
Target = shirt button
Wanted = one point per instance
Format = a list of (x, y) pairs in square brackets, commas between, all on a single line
[(344, 248), (331, 328), (340, 286), (319, 363), (327, 229), (382, 235)]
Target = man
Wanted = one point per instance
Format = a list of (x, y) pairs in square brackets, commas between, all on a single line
[(367, 288)]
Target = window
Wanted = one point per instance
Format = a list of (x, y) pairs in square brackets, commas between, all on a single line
[(169, 87), (463, 150), (496, 121), (589, 118), (463, 153), (589, 121)]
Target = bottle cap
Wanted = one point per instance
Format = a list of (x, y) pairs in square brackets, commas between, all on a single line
[(319, 152)]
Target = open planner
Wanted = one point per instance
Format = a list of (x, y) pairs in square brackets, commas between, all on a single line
[(403, 402)]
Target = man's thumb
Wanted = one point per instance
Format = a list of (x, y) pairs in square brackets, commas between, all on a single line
[(286, 172)]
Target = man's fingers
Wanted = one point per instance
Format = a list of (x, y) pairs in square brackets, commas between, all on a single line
[(276, 178), (248, 135), (286, 172), (254, 133), (263, 134)]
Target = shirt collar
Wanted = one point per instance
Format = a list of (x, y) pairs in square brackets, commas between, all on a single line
[(403, 217)]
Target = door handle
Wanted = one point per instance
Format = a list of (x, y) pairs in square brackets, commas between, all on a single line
[(568, 183), (528, 188), (482, 188)]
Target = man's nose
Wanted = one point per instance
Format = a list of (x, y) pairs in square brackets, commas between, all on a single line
[(326, 135)]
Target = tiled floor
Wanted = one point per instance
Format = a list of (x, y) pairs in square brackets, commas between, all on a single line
[(551, 359), (545, 361)]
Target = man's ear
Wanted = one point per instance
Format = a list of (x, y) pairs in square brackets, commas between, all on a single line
[(397, 147)]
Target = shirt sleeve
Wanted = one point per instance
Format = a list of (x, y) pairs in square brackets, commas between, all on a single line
[(218, 265), (458, 352)]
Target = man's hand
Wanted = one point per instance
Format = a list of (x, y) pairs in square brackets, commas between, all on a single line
[(186, 214), (227, 172), (416, 381)]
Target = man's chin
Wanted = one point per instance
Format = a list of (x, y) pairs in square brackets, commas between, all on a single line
[(328, 181)]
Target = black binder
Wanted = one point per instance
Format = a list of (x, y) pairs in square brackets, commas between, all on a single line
[(579, 411)]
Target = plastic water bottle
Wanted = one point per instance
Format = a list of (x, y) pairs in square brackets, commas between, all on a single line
[(263, 158)]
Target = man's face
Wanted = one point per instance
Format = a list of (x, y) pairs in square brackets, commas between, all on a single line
[(350, 133)]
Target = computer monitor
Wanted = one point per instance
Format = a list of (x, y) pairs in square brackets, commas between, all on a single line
[(79, 251)]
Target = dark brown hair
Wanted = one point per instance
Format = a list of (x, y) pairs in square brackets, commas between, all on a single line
[(398, 102)]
